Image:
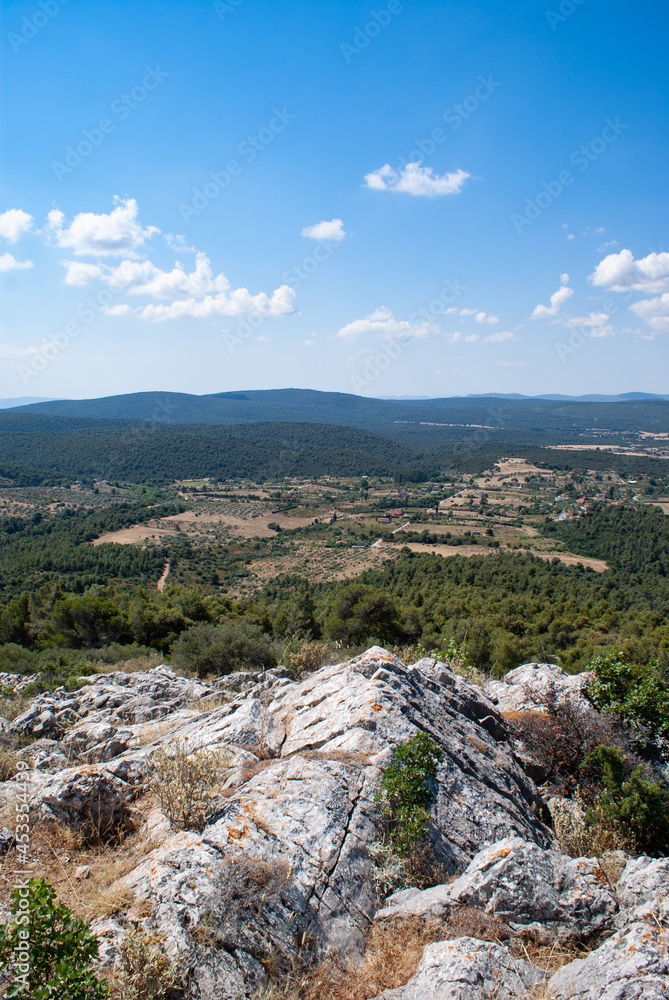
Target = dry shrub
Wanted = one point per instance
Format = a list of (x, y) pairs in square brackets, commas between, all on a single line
[(8, 764), (252, 882), (392, 871), (560, 733), (185, 781), (393, 952), (308, 656), (146, 972)]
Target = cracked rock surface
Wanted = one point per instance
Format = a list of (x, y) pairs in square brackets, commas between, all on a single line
[(281, 870)]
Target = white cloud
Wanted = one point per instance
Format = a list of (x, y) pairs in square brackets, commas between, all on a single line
[(14, 223), (500, 337), (416, 180), (9, 263), (483, 317), (176, 241), (381, 323), (597, 323), (309, 341), (332, 230), (192, 294), (9, 352), (236, 302), (512, 364), (620, 271), (557, 299), (655, 312), (607, 246), (468, 312), (114, 234)]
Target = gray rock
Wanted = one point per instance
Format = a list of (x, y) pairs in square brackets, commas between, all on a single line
[(468, 969), (88, 799), (433, 902), (633, 964), (526, 688), (547, 894), (643, 879)]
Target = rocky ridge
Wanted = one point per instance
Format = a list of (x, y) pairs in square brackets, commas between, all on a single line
[(282, 867)]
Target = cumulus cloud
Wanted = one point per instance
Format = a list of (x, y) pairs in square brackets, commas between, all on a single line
[(236, 302), (382, 323), (557, 299), (14, 223), (655, 312), (500, 337), (416, 180), (332, 230), (9, 263), (483, 317), (192, 294), (115, 234), (458, 336), (597, 323), (620, 272)]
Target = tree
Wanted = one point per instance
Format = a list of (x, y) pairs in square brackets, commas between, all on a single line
[(361, 612)]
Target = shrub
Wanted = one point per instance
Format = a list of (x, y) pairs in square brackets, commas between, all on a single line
[(640, 695), (405, 791), (59, 948), (146, 972), (637, 810), (185, 782), (361, 612), (560, 733), (307, 657), (235, 644)]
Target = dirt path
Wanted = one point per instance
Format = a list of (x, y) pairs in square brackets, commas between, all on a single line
[(165, 574)]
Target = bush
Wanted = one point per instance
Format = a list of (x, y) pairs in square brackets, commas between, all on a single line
[(59, 948), (638, 694), (360, 613), (146, 973), (185, 782), (637, 810), (405, 791), (560, 733), (307, 657), (235, 644)]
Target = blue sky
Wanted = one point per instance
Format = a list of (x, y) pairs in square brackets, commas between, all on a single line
[(399, 198)]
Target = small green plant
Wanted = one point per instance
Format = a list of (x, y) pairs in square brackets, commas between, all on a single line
[(185, 781), (636, 810), (46, 950), (637, 694), (405, 791), (146, 972)]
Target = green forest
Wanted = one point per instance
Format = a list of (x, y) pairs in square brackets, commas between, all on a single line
[(62, 594)]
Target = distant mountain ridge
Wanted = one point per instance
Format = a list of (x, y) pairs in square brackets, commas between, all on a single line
[(490, 411)]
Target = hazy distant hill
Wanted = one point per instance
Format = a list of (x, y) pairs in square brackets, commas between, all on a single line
[(494, 414)]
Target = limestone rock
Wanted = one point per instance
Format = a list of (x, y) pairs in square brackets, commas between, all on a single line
[(468, 969), (643, 879), (526, 688), (539, 891), (633, 964), (84, 798)]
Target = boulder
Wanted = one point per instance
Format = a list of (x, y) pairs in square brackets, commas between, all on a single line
[(643, 879), (87, 799), (527, 688), (539, 892), (633, 964), (468, 969)]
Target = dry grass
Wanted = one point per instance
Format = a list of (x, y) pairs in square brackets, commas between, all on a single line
[(392, 954), (56, 852), (186, 780)]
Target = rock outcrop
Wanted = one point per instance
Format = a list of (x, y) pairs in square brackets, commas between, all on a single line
[(281, 868)]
